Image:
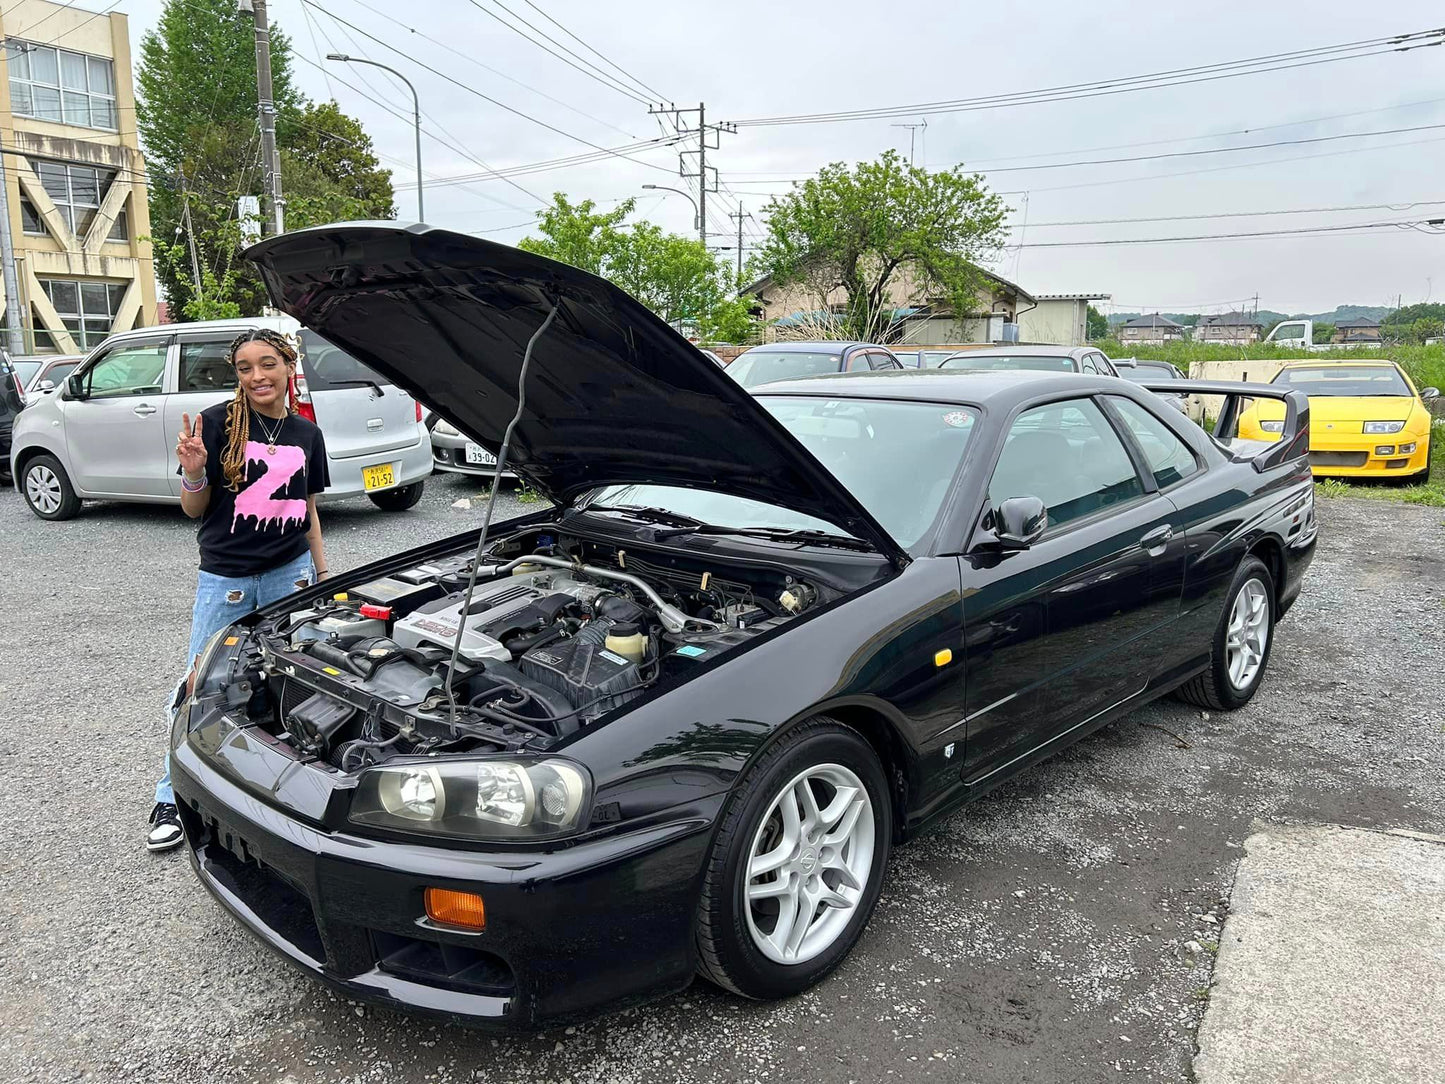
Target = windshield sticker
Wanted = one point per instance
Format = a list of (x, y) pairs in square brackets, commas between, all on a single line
[(958, 419)]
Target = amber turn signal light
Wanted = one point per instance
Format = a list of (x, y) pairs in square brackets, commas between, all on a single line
[(463, 909)]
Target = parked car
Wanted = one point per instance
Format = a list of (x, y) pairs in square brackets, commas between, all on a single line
[(1368, 421), (784, 361), (109, 431), (712, 357), (702, 697), (49, 373), (1140, 372), (1048, 359), (923, 359), (455, 452)]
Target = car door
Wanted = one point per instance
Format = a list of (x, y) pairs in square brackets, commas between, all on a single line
[(115, 433), (204, 377), (1058, 632)]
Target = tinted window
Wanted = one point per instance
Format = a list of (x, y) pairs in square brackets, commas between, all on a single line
[(1067, 455), (1169, 457), (762, 366), (327, 366), (1345, 380), (133, 368), (858, 362), (206, 366), (861, 441), (1010, 361)]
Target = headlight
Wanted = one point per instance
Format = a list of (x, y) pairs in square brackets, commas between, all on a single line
[(446, 429), (491, 799), (1384, 427), (1272, 427)]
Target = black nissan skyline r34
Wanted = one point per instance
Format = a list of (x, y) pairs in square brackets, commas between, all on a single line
[(674, 724)]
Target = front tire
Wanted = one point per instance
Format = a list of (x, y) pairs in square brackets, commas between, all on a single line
[(399, 499), (797, 864), (1242, 642), (47, 489)]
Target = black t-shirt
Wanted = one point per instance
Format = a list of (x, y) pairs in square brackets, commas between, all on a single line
[(264, 524)]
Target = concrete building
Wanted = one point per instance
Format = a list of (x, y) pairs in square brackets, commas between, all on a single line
[(76, 181), (1233, 328), (1058, 318), (803, 311), (1152, 329)]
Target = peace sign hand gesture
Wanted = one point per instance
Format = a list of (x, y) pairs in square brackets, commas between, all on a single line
[(190, 448)]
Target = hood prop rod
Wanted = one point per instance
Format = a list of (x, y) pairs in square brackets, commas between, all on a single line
[(487, 515)]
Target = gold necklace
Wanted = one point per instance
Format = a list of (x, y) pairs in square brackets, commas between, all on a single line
[(270, 436)]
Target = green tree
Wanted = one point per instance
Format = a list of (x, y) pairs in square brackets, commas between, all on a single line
[(730, 320), (1323, 332), (1097, 324), (578, 234), (196, 113), (888, 234)]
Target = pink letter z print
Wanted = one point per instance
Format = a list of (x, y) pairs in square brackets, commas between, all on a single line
[(258, 498)]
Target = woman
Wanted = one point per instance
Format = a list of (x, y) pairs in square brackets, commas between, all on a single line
[(250, 472)]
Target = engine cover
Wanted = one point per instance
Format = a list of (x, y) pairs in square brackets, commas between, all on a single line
[(498, 610)]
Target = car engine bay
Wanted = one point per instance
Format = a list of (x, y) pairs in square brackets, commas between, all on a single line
[(560, 632)]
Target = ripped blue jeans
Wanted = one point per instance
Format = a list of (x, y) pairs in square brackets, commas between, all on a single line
[(221, 601)]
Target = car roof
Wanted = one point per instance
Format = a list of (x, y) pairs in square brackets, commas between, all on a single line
[(1313, 363), (812, 345), (281, 323), (984, 387), (1028, 350)]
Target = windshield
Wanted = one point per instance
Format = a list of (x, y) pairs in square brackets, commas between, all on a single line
[(1345, 380), (763, 366), (1144, 371), (897, 458), (60, 370), (327, 366), (1009, 361)]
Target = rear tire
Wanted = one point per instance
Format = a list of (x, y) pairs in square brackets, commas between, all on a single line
[(47, 489), (1242, 642), (815, 814), (399, 499)]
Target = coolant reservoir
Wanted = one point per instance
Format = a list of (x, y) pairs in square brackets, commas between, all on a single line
[(626, 639)]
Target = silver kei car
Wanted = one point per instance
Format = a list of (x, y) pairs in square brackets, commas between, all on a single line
[(108, 431)]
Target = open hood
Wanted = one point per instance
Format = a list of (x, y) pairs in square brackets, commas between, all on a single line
[(613, 394)]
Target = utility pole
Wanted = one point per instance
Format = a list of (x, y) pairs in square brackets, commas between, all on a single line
[(913, 130), (266, 111), (703, 181), (191, 240), (740, 214), (14, 333)]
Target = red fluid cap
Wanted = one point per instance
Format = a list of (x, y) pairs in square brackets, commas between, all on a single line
[(381, 613)]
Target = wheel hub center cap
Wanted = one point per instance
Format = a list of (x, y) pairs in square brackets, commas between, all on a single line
[(808, 861)]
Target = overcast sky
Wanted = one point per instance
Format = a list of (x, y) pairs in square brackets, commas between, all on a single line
[(751, 59)]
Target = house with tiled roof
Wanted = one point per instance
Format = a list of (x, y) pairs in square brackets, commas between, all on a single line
[(1233, 328), (1152, 328)]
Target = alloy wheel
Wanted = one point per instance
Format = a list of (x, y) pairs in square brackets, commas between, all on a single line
[(809, 864), (1247, 634), (42, 487)]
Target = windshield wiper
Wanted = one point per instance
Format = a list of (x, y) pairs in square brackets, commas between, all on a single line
[(778, 534), (650, 514), (358, 383)]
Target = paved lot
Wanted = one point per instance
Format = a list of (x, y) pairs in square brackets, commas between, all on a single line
[(1041, 935)]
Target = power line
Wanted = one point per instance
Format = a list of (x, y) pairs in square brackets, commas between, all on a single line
[(646, 89), (606, 81), (494, 71), (1244, 214), (527, 168), (1153, 81), (1301, 231), (65, 5)]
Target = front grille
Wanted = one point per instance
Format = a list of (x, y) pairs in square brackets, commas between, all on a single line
[(274, 900), (454, 967), (1338, 459)]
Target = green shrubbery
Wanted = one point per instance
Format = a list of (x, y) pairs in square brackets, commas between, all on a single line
[(1425, 364)]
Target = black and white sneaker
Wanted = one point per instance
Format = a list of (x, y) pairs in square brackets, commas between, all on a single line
[(165, 830)]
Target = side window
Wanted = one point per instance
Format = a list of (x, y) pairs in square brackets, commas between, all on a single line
[(1169, 458), (1067, 455), (206, 366), (1088, 365), (1104, 366), (883, 360), (133, 368), (857, 362)]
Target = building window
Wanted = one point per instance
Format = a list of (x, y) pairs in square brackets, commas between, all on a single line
[(87, 309), (57, 85), (77, 192)]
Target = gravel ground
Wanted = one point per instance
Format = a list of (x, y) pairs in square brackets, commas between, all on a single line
[(1059, 930)]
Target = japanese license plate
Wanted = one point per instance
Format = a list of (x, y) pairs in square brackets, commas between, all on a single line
[(478, 455), (379, 476)]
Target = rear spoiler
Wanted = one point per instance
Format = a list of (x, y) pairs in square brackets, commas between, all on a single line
[(1294, 441)]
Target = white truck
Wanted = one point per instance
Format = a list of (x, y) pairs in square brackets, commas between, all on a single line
[(1300, 334)]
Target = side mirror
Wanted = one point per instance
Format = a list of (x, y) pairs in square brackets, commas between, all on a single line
[(45, 386), (75, 386), (1430, 393), (1019, 521)]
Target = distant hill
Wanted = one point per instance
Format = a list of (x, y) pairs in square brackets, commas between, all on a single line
[(1269, 317)]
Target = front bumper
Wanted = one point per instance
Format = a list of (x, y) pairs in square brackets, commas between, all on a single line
[(598, 925), (1358, 455), (449, 453), (411, 463)]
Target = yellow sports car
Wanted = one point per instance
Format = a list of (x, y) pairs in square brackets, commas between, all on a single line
[(1366, 419)]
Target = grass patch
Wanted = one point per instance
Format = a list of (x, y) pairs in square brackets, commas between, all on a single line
[(527, 495)]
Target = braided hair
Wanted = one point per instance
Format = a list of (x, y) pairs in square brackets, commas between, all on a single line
[(238, 410)]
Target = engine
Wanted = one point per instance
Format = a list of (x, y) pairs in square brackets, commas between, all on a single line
[(549, 644)]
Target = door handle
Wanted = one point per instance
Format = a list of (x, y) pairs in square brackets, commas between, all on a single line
[(1156, 540), (144, 410)]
